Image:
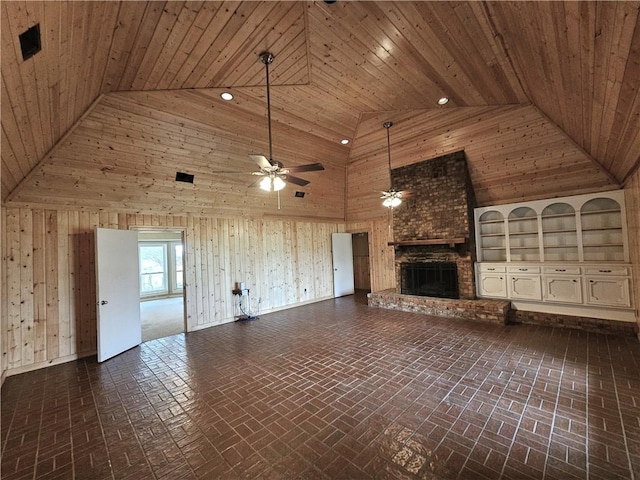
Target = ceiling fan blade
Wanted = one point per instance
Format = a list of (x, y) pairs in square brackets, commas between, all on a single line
[(298, 181), (261, 160), (311, 167), (230, 171)]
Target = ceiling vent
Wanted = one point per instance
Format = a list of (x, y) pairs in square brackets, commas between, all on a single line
[(300, 194), (30, 42), (184, 177)]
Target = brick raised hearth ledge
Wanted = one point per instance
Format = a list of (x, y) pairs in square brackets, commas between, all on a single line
[(493, 311)]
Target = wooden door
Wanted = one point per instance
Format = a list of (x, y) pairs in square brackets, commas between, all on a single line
[(342, 249), (117, 292)]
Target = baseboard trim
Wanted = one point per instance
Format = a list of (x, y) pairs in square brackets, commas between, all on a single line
[(49, 363)]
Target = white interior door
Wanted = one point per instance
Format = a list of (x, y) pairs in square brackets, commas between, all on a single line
[(117, 292), (342, 264)]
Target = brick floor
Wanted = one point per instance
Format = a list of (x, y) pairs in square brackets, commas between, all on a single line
[(335, 390)]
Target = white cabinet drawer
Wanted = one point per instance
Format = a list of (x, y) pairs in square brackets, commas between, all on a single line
[(524, 269), (492, 268), (561, 270), (607, 270)]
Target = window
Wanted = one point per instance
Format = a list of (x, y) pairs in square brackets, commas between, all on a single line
[(161, 268), (153, 269), (178, 275)]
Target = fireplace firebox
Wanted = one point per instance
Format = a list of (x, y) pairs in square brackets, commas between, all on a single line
[(431, 279)]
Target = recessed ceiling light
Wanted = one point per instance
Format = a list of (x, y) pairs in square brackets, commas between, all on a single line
[(443, 101), (344, 141), (226, 96)]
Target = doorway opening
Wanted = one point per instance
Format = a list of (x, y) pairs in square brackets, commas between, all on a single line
[(361, 264), (162, 307)]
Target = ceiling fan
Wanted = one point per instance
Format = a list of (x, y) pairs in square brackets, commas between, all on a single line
[(392, 197), (274, 174)]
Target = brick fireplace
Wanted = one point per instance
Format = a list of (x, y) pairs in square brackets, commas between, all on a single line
[(434, 223), (433, 227)]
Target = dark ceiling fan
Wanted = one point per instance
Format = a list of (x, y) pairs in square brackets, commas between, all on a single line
[(274, 174)]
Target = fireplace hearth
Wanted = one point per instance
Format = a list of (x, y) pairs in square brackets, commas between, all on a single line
[(433, 279)]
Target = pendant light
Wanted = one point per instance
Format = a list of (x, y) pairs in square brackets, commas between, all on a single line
[(391, 198)]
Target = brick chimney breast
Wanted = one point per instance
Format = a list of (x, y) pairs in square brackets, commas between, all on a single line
[(439, 205)]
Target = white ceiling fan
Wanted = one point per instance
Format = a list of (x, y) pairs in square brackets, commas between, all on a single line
[(392, 197), (274, 174)]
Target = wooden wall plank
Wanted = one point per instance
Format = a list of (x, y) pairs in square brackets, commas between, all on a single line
[(65, 298), (26, 287), (52, 288), (39, 287), (13, 329)]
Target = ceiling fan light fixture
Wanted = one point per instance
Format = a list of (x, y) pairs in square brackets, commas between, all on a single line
[(265, 184), (278, 184), (392, 201), (269, 184), (227, 96)]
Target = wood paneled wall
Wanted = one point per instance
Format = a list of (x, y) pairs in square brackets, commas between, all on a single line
[(632, 201), (514, 153), (48, 296)]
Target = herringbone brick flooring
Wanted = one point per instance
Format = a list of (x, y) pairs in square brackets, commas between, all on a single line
[(335, 390)]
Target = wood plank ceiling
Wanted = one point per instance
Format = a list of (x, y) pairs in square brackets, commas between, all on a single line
[(544, 101)]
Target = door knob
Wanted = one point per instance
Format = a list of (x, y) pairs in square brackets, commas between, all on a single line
[(103, 302)]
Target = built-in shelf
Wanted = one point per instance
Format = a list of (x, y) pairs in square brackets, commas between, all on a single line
[(582, 228), (431, 241), (564, 255)]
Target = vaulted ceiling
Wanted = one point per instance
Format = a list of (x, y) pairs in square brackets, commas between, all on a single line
[(543, 99)]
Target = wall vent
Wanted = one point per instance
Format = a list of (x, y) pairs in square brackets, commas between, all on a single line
[(30, 42), (184, 177)]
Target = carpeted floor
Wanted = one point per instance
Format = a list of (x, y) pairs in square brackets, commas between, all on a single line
[(161, 318)]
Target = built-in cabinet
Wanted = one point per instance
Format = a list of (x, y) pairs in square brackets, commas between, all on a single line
[(565, 255)]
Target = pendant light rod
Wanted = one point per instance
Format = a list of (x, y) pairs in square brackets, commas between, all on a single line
[(388, 125), (267, 58)]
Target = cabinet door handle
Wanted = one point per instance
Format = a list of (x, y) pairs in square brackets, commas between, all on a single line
[(604, 271), (561, 269), (501, 278), (491, 269), (575, 281), (592, 281)]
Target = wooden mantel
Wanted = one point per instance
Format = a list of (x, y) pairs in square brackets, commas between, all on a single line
[(431, 241)]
